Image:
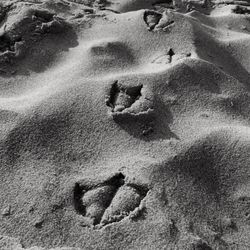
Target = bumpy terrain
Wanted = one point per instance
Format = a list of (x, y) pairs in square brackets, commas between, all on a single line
[(124, 124)]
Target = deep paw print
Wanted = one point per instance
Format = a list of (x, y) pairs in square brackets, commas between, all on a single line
[(122, 97), (108, 202), (129, 101), (156, 21)]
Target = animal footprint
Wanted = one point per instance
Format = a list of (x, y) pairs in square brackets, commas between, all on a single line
[(157, 21), (127, 102), (152, 18), (106, 54), (122, 97), (18, 35), (108, 202)]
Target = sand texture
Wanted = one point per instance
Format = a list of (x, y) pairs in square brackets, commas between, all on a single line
[(125, 124)]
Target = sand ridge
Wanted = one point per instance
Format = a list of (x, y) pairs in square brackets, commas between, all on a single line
[(124, 124)]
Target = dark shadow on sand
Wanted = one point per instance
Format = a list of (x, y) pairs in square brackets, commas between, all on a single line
[(149, 127), (42, 52)]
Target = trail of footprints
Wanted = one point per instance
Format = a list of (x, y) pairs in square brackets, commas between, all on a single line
[(108, 202)]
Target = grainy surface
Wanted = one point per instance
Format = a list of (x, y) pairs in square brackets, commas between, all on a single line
[(124, 124)]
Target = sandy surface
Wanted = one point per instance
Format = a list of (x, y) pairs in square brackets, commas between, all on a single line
[(124, 124)]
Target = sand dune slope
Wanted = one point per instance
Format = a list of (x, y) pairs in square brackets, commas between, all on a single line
[(124, 124)]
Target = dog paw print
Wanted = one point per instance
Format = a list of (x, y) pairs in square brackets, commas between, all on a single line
[(122, 97), (156, 21), (129, 101), (108, 202)]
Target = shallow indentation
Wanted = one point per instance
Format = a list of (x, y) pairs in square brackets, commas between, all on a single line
[(106, 54)]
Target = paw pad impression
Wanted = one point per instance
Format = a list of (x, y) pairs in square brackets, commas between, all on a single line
[(123, 100), (108, 202)]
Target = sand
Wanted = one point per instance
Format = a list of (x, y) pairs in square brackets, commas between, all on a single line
[(124, 124)]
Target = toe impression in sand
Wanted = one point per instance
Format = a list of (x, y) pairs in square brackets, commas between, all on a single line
[(156, 21), (126, 100), (110, 201)]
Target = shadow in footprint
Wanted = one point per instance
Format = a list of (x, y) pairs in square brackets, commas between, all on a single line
[(135, 110), (34, 42)]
